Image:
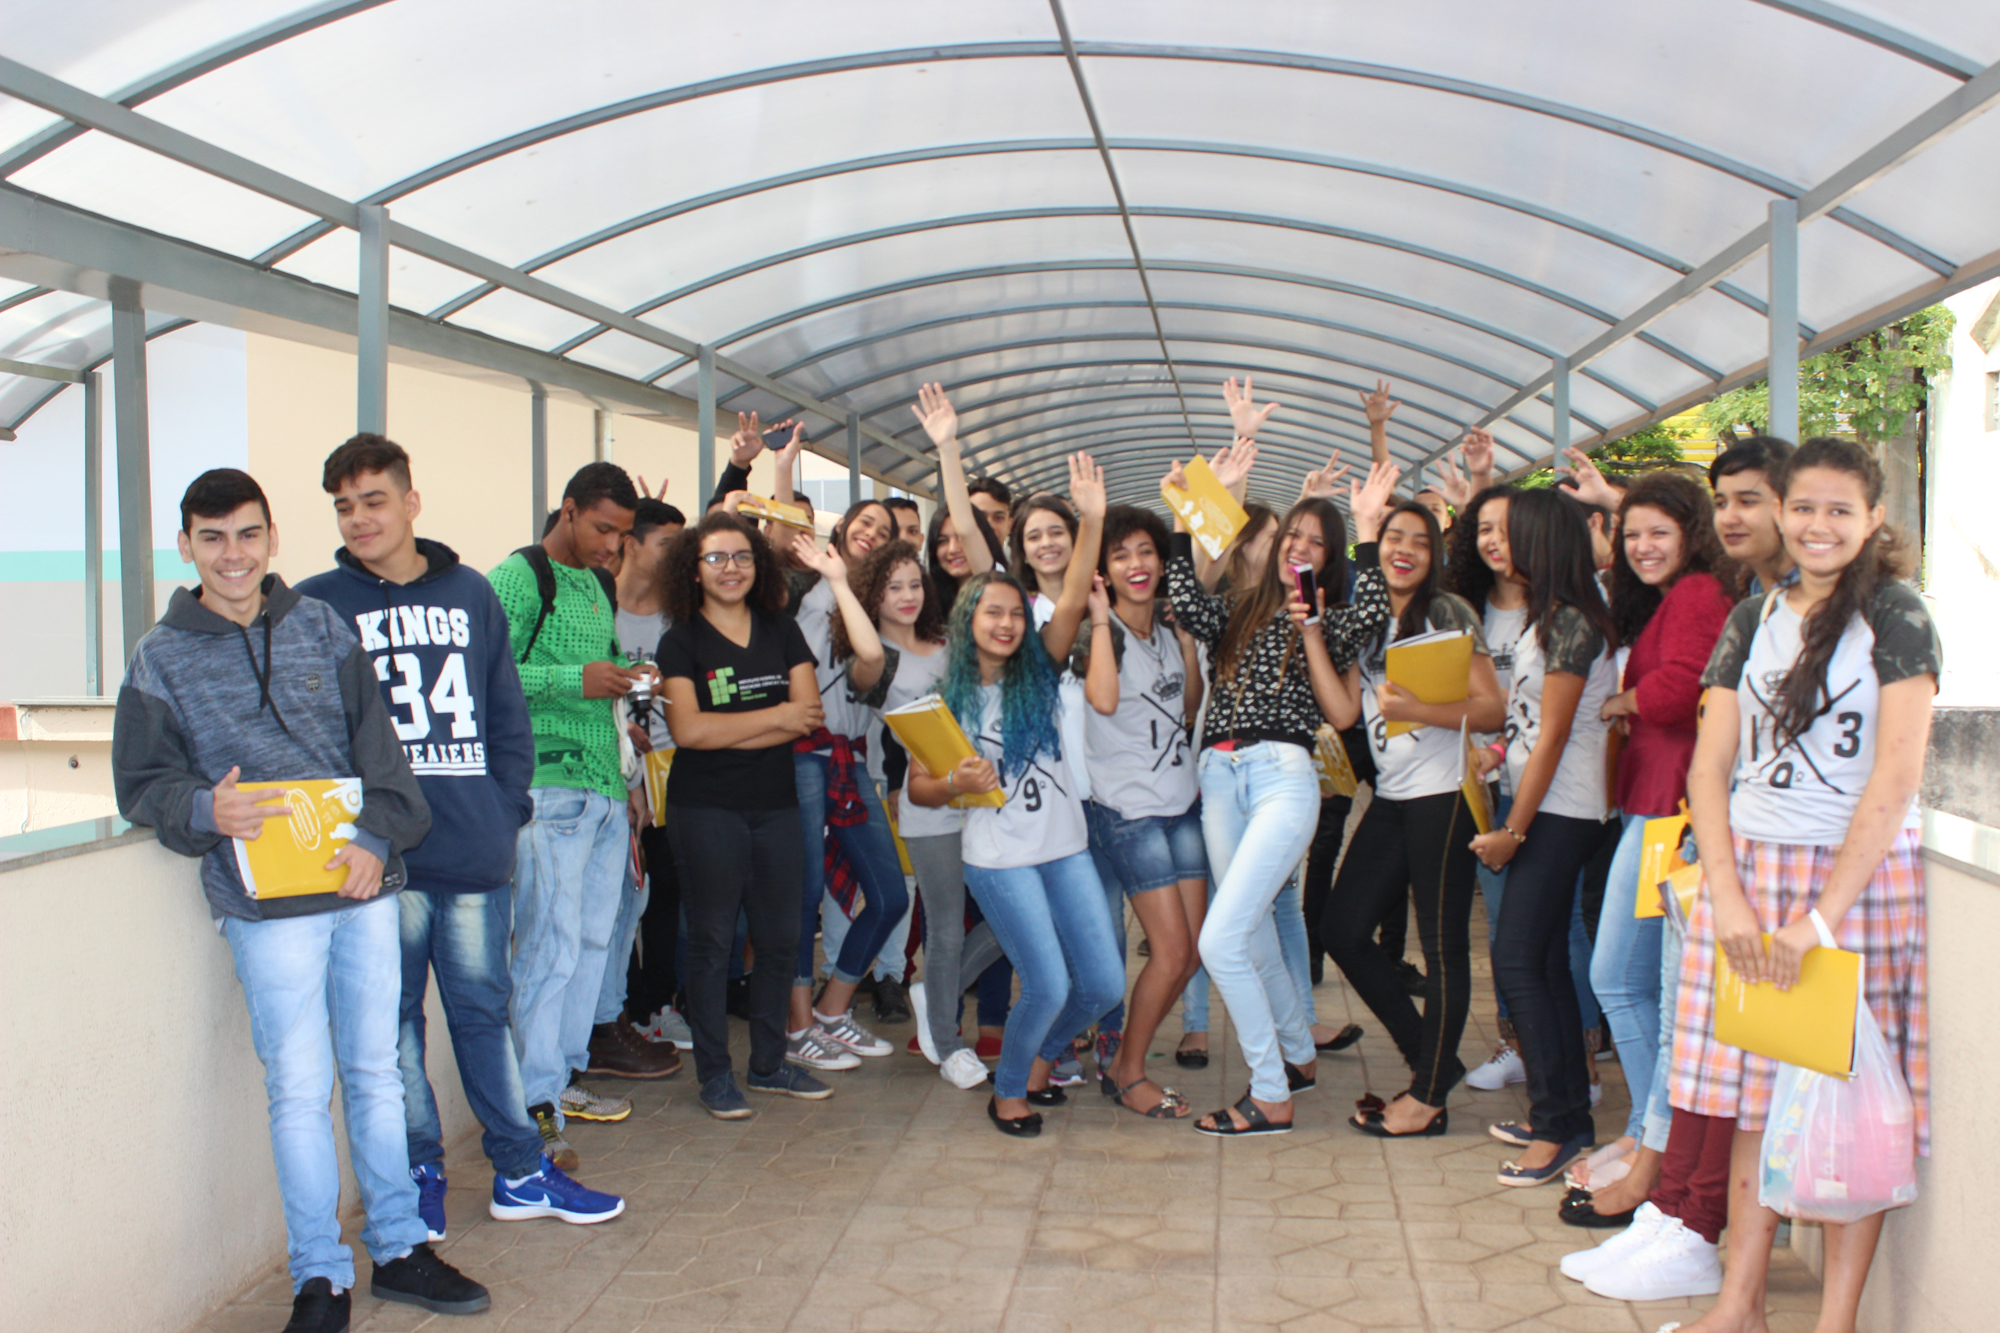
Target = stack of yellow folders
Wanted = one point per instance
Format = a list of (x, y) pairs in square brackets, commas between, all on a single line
[(934, 739), (1437, 668), (1659, 857), (1336, 771), (1811, 1025), (288, 859), (1206, 508), (756, 506), (1478, 796)]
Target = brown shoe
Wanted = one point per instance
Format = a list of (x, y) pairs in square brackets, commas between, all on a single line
[(617, 1049)]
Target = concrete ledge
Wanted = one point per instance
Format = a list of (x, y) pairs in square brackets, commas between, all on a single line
[(1962, 770)]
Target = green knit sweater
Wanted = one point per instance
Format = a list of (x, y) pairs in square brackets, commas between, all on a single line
[(576, 741)]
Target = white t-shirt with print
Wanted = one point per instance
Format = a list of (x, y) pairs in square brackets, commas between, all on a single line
[(1428, 761), (1578, 787), (1503, 631), (1042, 820), (817, 610), (912, 677), (1138, 756), (1074, 705)]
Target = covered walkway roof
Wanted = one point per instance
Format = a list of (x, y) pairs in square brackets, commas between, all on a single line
[(1079, 215)]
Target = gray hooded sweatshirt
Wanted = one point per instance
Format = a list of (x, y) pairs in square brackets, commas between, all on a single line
[(291, 696)]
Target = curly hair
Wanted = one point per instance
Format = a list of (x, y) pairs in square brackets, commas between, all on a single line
[(1687, 502), (1030, 703), (680, 572), (1122, 521), (870, 581), (1466, 572)]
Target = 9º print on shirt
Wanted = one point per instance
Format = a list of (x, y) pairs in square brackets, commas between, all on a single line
[(1042, 820)]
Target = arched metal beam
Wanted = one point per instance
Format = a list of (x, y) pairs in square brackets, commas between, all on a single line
[(1877, 33), (991, 451), (55, 390), (966, 432), (1170, 443), (1108, 211), (928, 55), (1047, 473)]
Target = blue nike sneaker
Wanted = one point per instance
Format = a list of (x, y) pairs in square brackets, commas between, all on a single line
[(430, 1197), (550, 1193)]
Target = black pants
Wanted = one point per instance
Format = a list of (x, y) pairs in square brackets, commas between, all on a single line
[(1416, 849), (752, 862), (1321, 857), (651, 980), (1531, 965)]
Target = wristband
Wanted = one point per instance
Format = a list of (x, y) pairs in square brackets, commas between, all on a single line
[(1518, 837), (1498, 747), (951, 781), (1826, 938)]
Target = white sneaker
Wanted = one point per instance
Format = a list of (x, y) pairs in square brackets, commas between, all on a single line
[(962, 1069), (1675, 1265), (841, 1030), (668, 1025), (1596, 1095), (925, 1042), (1646, 1223), (1505, 1067), (811, 1049)]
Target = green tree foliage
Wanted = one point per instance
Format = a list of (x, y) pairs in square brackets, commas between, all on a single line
[(1868, 388), (1651, 447)]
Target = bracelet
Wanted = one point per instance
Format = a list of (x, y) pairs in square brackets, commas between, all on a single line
[(1498, 747), (951, 781), (1518, 837)]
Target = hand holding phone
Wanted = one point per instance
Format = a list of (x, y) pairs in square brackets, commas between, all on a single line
[(1308, 587)]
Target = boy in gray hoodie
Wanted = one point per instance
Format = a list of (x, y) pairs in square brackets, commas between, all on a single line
[(244, 679)]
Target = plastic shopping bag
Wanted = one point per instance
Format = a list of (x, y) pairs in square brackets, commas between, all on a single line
[(1841, 1149)]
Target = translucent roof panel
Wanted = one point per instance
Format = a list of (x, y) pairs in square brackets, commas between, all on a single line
[(1081, 240)]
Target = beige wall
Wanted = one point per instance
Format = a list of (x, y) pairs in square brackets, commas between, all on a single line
[(140, 1191)]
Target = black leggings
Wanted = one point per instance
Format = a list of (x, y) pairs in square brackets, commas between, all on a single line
[(651, 980), (749, 862), (1417, 849), (1531, 965), (1320, 859)]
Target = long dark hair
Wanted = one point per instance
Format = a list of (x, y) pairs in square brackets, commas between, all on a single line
[(680, 573), (1254, 606), (1235, 577), (1885, 556), (1017, 554), (870, 580), (838, 536), (1688, 503), (1549, 542), (941, 578), (1467, 574), (1416, 615)]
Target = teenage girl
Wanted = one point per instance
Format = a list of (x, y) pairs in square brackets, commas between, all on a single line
[(1414, 835), (1563, 674), (1802, 794), (1027, 861)]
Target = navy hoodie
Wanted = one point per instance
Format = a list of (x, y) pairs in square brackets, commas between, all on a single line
[(440, 649)]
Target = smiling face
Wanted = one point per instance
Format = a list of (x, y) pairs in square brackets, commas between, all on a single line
[(1304, 543), (727, 581), (1826, 519), (375, 515), (1406, 553), (1045, 540), (1655, 547), (1493, 548), (1746, 518), (865, 531), (951, 552), (903, 595), (1136, 569), (999, 623), (231, 553)]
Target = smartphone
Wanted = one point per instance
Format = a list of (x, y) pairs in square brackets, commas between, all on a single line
[(1308, 591)]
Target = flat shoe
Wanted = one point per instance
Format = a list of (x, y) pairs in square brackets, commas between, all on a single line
[(1047, 1097), (1297, 1080), (1340, 1040), (1021, 1127), (1372, 1123), (1578, 1211), (1522, 1177), (1368, 1101), (1191, 1059), (1514, 1133), (1254, 1122)]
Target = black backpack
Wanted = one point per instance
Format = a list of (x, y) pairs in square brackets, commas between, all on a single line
[(545, 583)]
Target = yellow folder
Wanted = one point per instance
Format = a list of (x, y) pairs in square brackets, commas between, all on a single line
[(756, 506), (1478, 796), (1659, 856), (1206, 508), (1811, 1025), (659, 763), (289, 858), (934, 739), (1676, 894), (1336, 771), (1437, 668)]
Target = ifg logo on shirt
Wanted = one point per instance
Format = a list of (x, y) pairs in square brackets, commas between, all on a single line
[(721, 686)]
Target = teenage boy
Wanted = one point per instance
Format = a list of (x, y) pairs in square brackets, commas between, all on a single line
[(645, 986), (909, 519), (244, 680), (437, 639), (570, 859), (995, 503), (1743, 478)]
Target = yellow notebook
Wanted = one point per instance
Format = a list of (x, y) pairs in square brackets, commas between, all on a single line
[(1437, 668), (934, 739), (1811, 1025), (1676, 893), (756, 506), (1478, 796), (1336, 771), (659, 763), (289, 859), (1206, 508), (1659, 856)]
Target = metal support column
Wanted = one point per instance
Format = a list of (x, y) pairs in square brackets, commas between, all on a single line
[(538, 459), (853, 458), (135, 468), (371, 352), (1559, 394), (93, 534), (704, 394), (600, 435), (1784, 316)]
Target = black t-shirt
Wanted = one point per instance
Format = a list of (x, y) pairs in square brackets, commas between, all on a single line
[(732, 679)]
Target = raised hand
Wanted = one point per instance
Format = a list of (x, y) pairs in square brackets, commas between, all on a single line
[(1246, 415), (1176, 476), (1591, 487), (1476, 452), (1099, 601), (1323, 482), (747, 442), (240, 812), (1086, 485), (1232, 463), (935, 411), (1371, 500), (646, 492), (1378, 405), (824, 561), (1454, 485), (789, 454)]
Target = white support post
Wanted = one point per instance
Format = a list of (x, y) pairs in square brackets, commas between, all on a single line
[(135, 468), (705, 432), (538, 459), (1559, 393), (1783, 375), (371, 392), (853, 458), (93, 534)]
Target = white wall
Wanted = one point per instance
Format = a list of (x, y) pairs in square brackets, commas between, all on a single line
[(1963, 555)]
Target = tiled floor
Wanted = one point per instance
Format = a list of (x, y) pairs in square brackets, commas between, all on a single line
[(895, 1206)]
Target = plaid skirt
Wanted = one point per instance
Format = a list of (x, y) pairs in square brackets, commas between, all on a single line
[(1885, 926)]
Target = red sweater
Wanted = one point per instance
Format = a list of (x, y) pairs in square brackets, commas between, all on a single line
[(1665, 668)]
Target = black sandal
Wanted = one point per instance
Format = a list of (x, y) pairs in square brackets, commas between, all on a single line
[(1171, 1106), (1340, 1040), (1254, 1122), (1372, 1123), (1188, 1059), (1298, 1080)]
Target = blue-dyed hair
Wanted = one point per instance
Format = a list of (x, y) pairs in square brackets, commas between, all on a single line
[(1030, 704)]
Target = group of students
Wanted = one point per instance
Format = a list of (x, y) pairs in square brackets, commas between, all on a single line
[(714, 695)]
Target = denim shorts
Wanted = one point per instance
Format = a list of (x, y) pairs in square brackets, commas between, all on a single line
[(1150, 852)]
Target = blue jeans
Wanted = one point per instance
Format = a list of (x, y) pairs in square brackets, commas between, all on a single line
[(872, 854), (463, 937), (1294, 944), (1259, 806), (322, 992), (1051, 921), (1493, 889), (568, 872), (1135, 856), (633, 895), (834, 928), (1659, 1116), (1625, 972)]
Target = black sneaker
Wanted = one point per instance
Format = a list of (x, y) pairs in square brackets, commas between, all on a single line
[(317, 1310), (421, 1278), (1412, 976), (892, 1001)]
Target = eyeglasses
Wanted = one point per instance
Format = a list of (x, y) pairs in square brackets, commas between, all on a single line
[(717, 559)]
